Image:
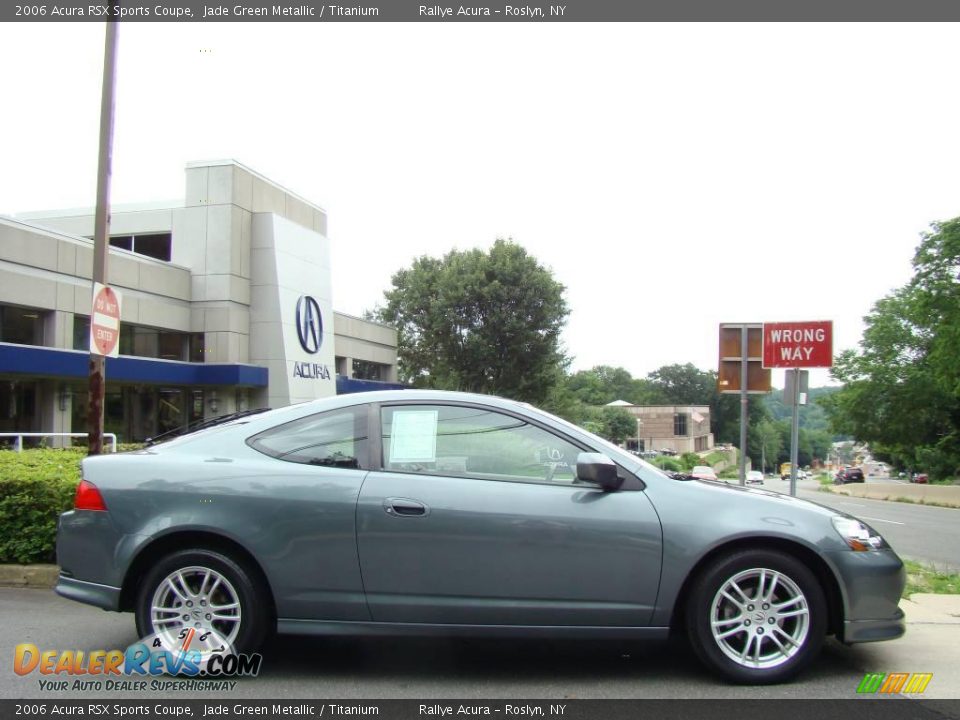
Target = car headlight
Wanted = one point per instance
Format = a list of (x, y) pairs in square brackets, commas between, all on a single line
[(859, 536)]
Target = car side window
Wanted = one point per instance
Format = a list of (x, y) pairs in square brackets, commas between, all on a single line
[(333, 439), (474, 442)]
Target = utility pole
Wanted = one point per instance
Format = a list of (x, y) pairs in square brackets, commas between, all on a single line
[(101, 230), (744, 403)]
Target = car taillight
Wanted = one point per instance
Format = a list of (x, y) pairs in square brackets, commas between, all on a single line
[(88, 497)]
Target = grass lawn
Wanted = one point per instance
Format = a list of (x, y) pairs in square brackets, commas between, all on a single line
[(924, 578)]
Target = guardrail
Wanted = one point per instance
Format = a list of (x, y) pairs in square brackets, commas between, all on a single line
[(18, 438)]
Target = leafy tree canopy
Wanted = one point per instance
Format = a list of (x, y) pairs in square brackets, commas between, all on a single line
[(685, 384), (604, 384), (478, 321), (902, 387)]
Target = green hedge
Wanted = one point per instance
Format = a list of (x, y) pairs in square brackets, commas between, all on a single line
[(35, 487), (670, 464)]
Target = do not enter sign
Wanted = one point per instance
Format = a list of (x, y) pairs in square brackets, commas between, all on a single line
[(798, 344), (105, 321)]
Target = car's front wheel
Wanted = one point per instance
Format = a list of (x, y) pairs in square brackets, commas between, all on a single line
[(205, 591), (757, 616)]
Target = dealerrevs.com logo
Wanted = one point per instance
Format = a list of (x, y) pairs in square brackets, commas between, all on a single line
[(204, 658)]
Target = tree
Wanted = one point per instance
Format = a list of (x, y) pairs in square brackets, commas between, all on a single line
[(477, 321), (902, 387), (684, 384), (603, 384), (765, 442), (618, 424)]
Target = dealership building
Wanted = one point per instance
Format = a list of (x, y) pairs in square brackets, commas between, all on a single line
[(226, 306)]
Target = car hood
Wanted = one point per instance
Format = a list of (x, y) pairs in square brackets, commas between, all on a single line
[(776, 499)]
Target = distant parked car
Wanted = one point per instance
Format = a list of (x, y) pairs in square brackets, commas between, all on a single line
[(921, 478), (703, 472), (848, 475), (754, 477)]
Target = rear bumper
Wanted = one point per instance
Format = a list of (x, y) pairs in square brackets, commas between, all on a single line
[(103, 596)]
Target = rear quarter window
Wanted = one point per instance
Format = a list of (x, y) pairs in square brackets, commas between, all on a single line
[(333, 439)]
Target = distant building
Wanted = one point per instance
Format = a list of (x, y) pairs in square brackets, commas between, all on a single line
[(680, 428)]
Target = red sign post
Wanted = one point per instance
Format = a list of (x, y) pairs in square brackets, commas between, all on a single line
[(105, 321), (798, 344)]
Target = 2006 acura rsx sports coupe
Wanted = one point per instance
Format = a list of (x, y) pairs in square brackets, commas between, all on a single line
[(425, 512)]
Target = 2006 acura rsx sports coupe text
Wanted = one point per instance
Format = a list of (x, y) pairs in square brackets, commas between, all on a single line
[(426, 512)]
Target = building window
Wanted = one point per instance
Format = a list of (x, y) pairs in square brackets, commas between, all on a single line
[(81, 332), (172, 345), (22, 326), (197, 347), (155, 245), (366, 370), (680, 424), (146, 342)]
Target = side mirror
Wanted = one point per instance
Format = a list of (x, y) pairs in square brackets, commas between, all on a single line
[(598, 469)]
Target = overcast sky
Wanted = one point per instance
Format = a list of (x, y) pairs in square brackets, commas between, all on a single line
[(673, 177)]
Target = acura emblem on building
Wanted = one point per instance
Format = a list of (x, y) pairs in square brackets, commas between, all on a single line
[(309, 324)]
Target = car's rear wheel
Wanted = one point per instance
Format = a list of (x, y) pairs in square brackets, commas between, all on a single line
[(757, 616), (203, 590)]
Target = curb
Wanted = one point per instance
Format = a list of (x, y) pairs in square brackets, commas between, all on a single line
[(32, 576)]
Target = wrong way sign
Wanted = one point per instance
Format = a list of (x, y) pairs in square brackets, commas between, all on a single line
[(798, 344), (105, 321)]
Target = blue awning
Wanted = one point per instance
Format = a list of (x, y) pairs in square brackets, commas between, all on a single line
[(53, 362)]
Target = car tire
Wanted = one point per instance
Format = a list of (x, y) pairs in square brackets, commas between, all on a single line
[(206, 580), (768, 631)]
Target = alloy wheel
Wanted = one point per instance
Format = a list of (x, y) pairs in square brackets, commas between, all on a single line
[(195, 597), (760, 618)]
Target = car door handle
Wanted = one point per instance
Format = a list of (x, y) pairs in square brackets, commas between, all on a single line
[(405, 507)]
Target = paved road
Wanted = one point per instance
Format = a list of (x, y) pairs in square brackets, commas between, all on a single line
[(342, 668), (916, 532)]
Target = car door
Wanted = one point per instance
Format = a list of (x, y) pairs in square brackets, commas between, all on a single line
[(475, 517)]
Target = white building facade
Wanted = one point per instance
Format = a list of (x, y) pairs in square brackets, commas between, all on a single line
[(227, 305)]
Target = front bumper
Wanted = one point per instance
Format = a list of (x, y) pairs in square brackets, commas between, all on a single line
[(858, 631), (871, 584)]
